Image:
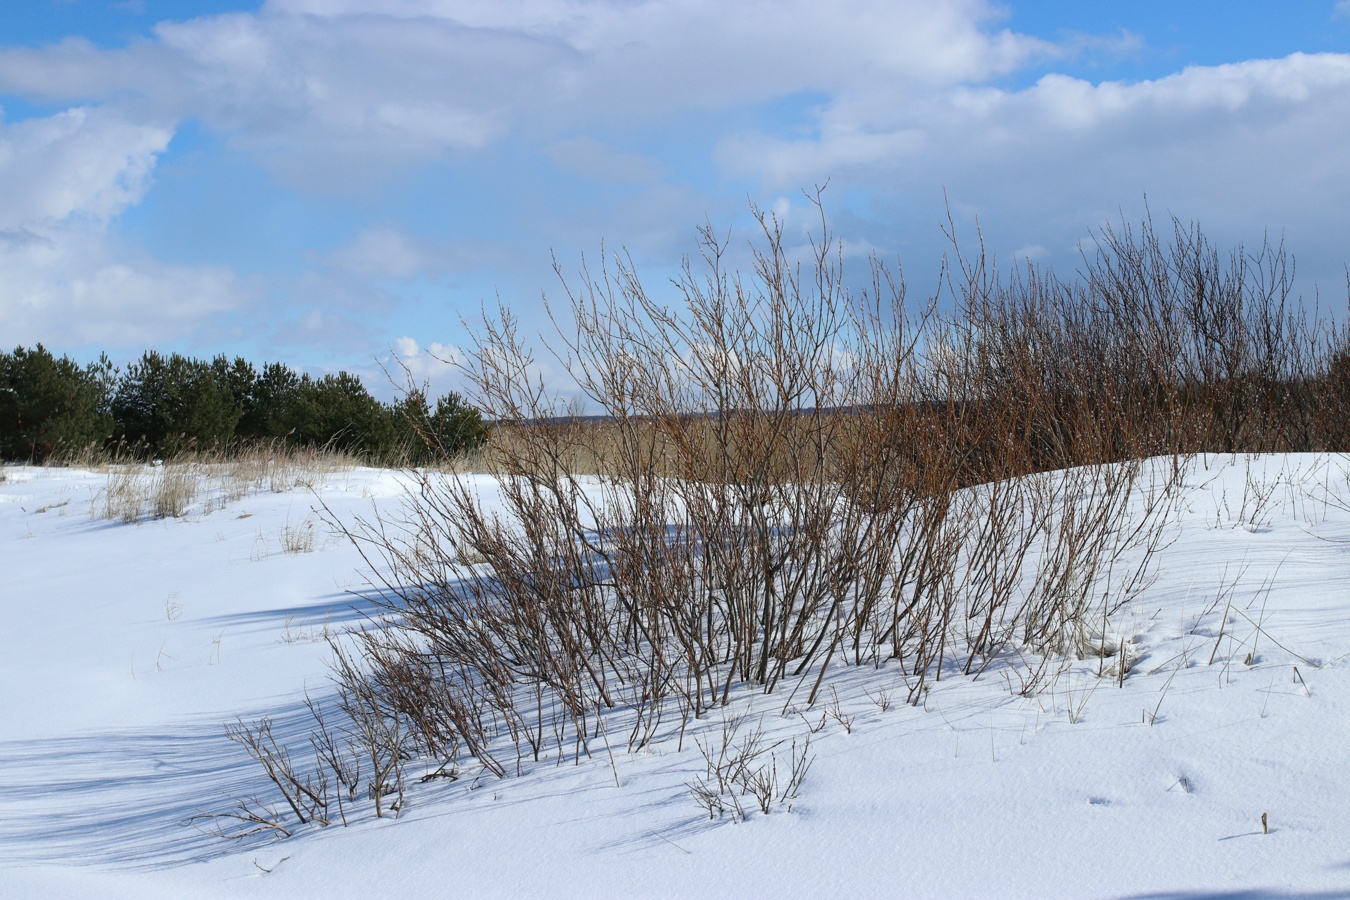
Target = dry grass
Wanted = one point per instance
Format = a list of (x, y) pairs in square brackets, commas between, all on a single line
[(123, 496), (93, 457), (173, 489), (215, 478), (297, 538), (278, 468), (132, 491)]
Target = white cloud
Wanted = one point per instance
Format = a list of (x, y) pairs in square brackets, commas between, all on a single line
[(436, 362), (63, 179), (1244, 147), (82, 163), (1061, 116), (72, 286), (412, 365), (1342, 10), (334, 91)]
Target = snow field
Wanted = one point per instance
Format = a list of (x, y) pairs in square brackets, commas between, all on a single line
[(128, 646)]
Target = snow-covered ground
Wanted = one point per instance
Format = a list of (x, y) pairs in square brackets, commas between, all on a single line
[(126, 647)]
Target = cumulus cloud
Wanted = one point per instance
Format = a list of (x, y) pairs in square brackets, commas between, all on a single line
[(82, 163), (1059, 113), (328, 91), (435, 362), (435, 366), (72, 286), (63, 179), (1243, 146)]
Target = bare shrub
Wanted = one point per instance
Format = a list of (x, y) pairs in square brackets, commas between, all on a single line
[(377, 735), (746, 767), (787, 475), (360, 758), (304, 793)]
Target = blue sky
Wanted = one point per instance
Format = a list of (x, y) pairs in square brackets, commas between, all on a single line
[(336, 182)]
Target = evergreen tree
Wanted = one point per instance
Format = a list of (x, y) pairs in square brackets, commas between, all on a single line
[(173, 404), (272, 409), (164, 405), (457, 426), (423, 435), (338, 411), (411, 422), (48, 403)]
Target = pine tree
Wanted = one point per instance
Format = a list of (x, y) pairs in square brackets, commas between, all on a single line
[(49, 404)]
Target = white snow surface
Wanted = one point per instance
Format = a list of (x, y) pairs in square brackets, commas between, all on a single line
[(126, 647)]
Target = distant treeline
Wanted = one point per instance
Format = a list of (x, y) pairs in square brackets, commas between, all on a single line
[(164, 405)]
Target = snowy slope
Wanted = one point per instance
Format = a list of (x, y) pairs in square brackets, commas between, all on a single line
[(127, 646)]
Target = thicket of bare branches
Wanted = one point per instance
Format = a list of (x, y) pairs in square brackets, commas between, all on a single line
[(791, 476)]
